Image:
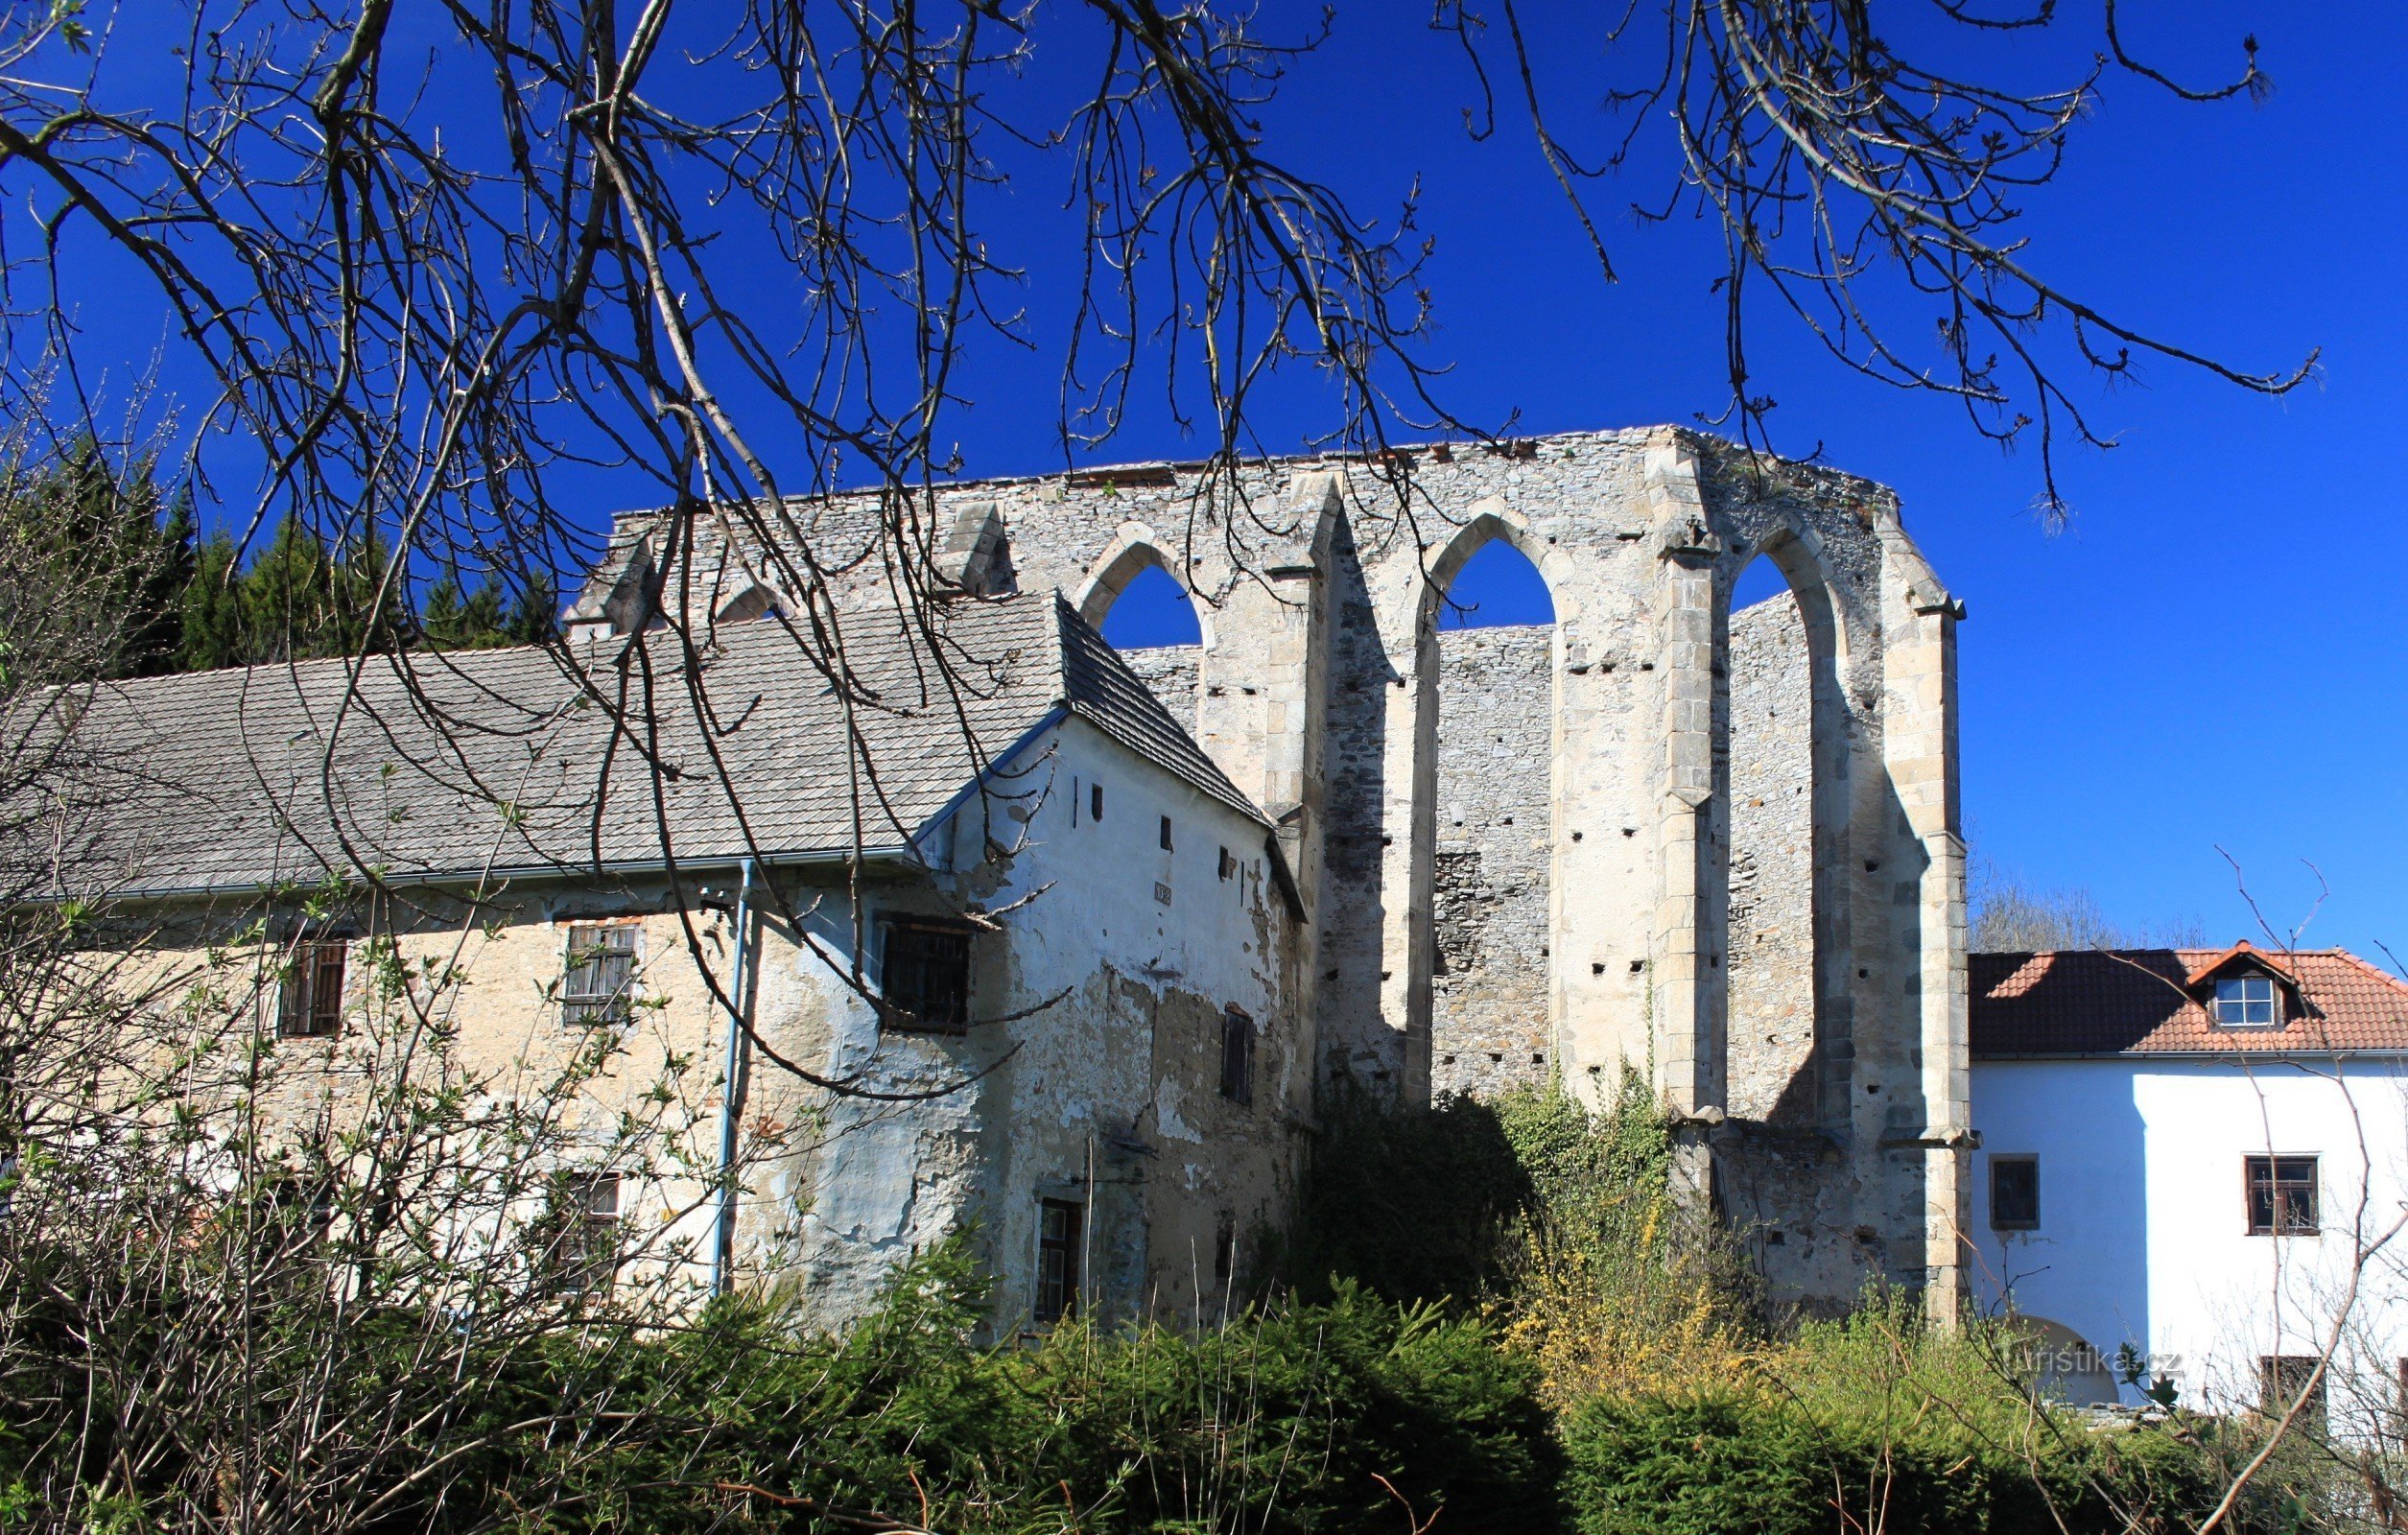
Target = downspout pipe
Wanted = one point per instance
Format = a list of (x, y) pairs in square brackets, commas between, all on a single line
[(731, 1104)]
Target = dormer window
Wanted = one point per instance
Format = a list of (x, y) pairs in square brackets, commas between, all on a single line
[(2248, 1002)]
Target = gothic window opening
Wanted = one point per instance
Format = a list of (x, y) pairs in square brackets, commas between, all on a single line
[(1491, 651), (1768, 771)]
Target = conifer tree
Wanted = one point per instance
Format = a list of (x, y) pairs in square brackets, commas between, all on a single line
[(211, 631), (534, 618), (440, 614)]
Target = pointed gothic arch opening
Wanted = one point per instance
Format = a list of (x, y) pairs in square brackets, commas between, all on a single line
[(1780, 760), (1153, 621), (1152, 611), (1489, 643)]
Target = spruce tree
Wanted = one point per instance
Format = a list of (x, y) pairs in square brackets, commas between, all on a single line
[(155, 640), (288, 598), (534, 618), (440, 614), (212, 628), (483, 617)]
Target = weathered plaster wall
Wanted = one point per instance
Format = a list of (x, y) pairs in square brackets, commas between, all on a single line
[(1112, 1096), (1091, 1070), (1489, 1021)]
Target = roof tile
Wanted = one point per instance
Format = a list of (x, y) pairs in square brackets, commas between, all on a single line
[(2141, 1001), (450, 763)]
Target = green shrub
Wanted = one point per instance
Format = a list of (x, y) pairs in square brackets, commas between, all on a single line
[(1330, 1419), (1712, 1465)]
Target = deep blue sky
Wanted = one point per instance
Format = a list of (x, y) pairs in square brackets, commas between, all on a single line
[(2215, 653)]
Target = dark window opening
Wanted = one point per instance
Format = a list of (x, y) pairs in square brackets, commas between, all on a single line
[(581, 1251), (600, 974), (1166, 834), (1236, 1057), (1061, 1225), (1095, 802), (1225, 1250), (926, 976), (2281, 1378), (2282, 1197), (2014, 1193), (295, 1217), (312, 1005), (1228, 865)]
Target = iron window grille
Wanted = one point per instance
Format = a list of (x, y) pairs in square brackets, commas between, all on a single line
[(2015, 1192), (925, 975), (1061, 1232), (600, 984), (311, 1001), (2282, 1197)]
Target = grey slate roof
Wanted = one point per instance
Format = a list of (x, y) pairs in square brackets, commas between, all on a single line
[(507, 760)]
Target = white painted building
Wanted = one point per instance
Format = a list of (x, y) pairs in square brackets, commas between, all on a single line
[(2196, 1158)]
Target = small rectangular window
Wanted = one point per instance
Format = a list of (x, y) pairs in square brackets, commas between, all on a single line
[(2282, 1197), (2015, 1192), (312, 1003), (582, 1230), (2248, 1002), (1236, 1057), (1225, 1250), (1095, 802), (2280, 1380), (925, 975), (601, 978), (1228, 865), (1061, 1227), (1166, 834)]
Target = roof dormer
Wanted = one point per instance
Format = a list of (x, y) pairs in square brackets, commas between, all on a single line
[(2244, 987)]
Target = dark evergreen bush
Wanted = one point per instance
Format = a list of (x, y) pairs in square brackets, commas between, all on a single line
[(1714, 1465)]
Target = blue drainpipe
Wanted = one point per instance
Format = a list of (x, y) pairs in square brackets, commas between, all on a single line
[(723, 1239)]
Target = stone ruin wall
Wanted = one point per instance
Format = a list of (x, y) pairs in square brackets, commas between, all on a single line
[(1170, 671), (1489, 1017), (1331, 704), (1770, 899)]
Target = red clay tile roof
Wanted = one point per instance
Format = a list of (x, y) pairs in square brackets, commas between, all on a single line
[(2089, 1002)]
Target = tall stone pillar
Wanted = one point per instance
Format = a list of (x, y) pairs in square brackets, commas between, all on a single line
[(1688, 996), (1920, 654), (1263, 693)]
